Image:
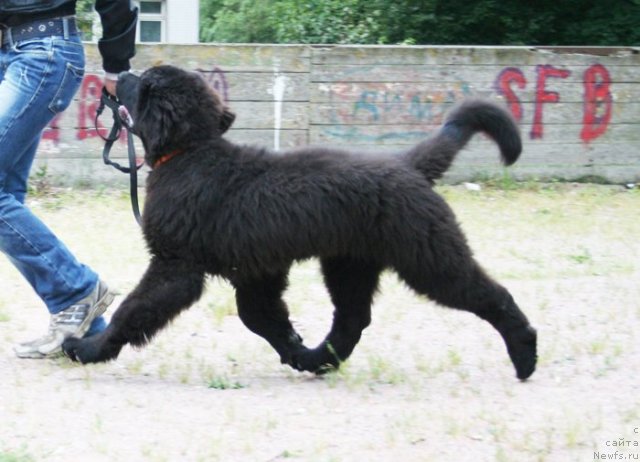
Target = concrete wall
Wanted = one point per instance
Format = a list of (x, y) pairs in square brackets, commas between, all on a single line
[(579, 109)]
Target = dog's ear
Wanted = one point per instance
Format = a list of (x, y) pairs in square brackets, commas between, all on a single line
[(159, 122), (226, 120)]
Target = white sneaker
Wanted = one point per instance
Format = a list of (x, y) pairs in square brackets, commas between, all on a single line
[(70, 322)]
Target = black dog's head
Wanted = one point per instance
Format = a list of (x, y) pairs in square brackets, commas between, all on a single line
[(171, 109)]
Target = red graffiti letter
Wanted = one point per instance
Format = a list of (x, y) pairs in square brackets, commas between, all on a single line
[(52, 133), (89, 99), (503, 87), (597, 102), (544, 96)]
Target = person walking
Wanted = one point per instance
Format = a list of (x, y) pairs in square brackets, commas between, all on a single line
[(41, 68)]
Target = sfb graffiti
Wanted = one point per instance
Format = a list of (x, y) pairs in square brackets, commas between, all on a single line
[(596, 116), (597, 104)]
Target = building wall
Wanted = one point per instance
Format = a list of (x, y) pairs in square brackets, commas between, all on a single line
[(578, 109), (183, 19)]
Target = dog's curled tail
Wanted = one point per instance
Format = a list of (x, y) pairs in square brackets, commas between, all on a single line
[(434, 156)]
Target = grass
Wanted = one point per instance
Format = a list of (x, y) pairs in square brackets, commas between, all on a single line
[(590, 225), (4, 315), (224, 383), (424, 383), (582, 256), (16, 456), (224, 305)]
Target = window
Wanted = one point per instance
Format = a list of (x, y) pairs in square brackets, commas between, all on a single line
[(153, 7), (152, 26)]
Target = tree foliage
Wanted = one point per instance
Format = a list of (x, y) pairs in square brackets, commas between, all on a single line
[(483, 22), (326, 21), (243, 21), (85, 17)]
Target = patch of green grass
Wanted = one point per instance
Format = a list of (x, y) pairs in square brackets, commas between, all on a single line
[(221, 301), (4, 316), (384, 371), (16, 456), (453, 358), (286, 454), (583, 256), (571, 230), (40, 182), (224, 383)]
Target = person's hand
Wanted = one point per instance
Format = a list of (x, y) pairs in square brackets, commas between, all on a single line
[(110, 85)]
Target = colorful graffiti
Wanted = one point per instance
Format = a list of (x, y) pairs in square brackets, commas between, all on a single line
[(87, 126), (409, 113), (352, 114), (597, 105), (53, 134), (90, 93), (217, 80), (401, 112), (598, 102)]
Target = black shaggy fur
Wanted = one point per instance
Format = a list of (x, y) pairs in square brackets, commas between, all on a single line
[(246, 214)]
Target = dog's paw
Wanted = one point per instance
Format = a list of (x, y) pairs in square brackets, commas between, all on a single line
[(318, 360), (522, 348), (73, 349), (87, 350)]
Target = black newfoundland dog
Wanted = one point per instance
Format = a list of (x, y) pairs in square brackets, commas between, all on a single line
[(246, 214)]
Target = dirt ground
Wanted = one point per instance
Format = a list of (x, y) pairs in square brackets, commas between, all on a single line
[(424, 384)]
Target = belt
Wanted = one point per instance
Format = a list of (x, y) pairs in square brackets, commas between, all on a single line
[(63, 27)]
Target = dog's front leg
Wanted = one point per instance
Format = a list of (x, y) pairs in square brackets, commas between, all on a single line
[(262, 310), (168, 287), (352, 284)]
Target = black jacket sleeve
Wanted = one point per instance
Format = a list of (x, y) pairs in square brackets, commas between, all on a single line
[(117, 46)]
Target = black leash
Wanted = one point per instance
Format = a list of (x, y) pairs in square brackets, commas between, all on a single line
[(107, 100)]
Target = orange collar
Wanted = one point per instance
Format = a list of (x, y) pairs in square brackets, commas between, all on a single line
[(167, 157)]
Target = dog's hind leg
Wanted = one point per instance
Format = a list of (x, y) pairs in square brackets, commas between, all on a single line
[(167, 287), (465, 286), (352, 285), (262, 309)]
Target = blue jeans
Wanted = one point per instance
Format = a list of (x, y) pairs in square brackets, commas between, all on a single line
[(38, 79)]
